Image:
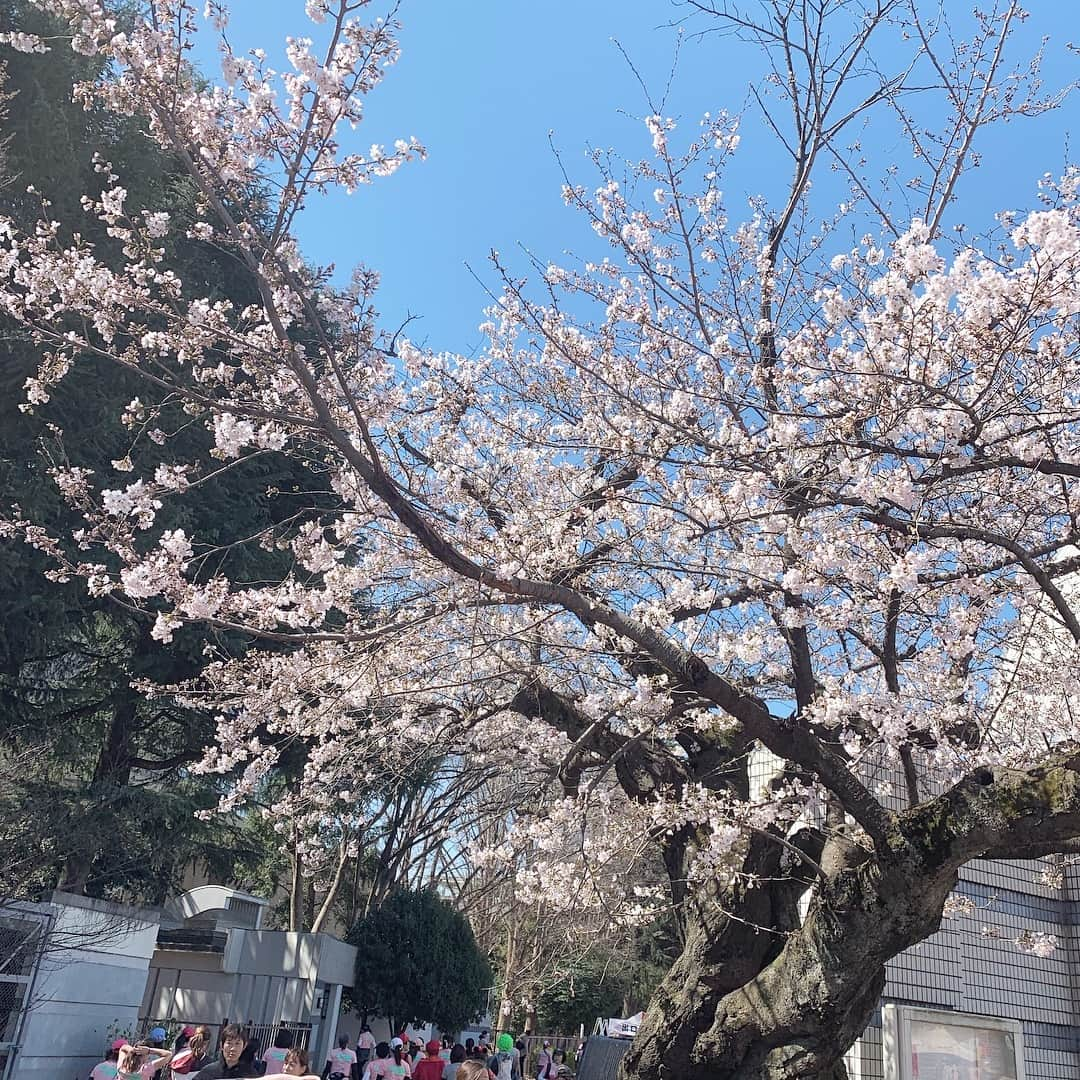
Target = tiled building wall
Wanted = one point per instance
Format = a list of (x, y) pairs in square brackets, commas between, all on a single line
[(972, 965)]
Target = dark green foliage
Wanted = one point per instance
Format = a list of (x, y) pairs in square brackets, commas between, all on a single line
[(95, 788), (418, 962), (647, 958), (613, 977), (586, 988)]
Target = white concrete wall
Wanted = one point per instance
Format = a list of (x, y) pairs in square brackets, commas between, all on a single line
[(91, 980), (265, 976)]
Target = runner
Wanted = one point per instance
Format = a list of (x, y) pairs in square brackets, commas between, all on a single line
[(140, 1062), (505, 1063), (107, 1069), (341, 1064), (364, 1046), (431, 1067), (274, 1058), (473, 1069), (543, 1061), (457, 1056), (387, 1063), (559, 1069), (296, 1062), (192, 1057)]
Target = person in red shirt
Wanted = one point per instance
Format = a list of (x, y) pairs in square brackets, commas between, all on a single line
[(431, 1067)]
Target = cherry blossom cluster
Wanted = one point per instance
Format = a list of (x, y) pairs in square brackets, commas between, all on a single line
[(664, 518)]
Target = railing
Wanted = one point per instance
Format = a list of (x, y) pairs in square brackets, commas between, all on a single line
[(266, 1033), (263, 1033), (535, 1043)]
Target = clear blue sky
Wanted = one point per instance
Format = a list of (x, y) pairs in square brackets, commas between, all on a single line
[(483, 82)]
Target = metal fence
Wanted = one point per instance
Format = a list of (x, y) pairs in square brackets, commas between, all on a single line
[(267, 1033), (264, 1034), (601, 1058), (535, 1043)]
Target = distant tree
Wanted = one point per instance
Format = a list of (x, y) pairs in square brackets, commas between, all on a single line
[(584, 990), (96, 791), (417, 962)]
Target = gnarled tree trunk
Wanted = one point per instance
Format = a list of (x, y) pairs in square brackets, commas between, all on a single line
[(760, 994)]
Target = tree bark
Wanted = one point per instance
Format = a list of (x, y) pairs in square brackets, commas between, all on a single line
[(296, 888), (739, 1003), (758, 994), (112, 769)]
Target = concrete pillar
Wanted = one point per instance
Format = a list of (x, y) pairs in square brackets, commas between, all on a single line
[(328, 1028)]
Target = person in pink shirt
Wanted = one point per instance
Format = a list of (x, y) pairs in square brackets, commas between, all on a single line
[(388, 1063), (274, 1058), (107, 1069), (341, 1064), (365, 1044)]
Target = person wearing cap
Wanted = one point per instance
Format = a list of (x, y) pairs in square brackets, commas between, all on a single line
[(432, 1066), (107, 1069), (388, 1062), (505, 1063), (404, 1045)]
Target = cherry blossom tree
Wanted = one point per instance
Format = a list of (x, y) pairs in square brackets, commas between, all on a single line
[(756, 535)]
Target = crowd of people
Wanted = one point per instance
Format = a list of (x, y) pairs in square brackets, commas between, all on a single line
[(475, 1059), (403, 1056), (238, 1056)]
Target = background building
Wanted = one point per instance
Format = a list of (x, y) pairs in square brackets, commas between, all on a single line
[(88, 971)]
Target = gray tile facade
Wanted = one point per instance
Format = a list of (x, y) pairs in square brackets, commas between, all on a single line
[(972, 965)]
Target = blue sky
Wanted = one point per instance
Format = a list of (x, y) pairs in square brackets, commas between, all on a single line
[(482, 83)]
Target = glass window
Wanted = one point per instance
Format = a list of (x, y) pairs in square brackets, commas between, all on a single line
[(923, 1044), (944, 1051)]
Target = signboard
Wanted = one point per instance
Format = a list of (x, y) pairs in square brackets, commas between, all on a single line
[(624, 1029)]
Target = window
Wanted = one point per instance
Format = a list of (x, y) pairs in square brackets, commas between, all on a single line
[(926, 1044)]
